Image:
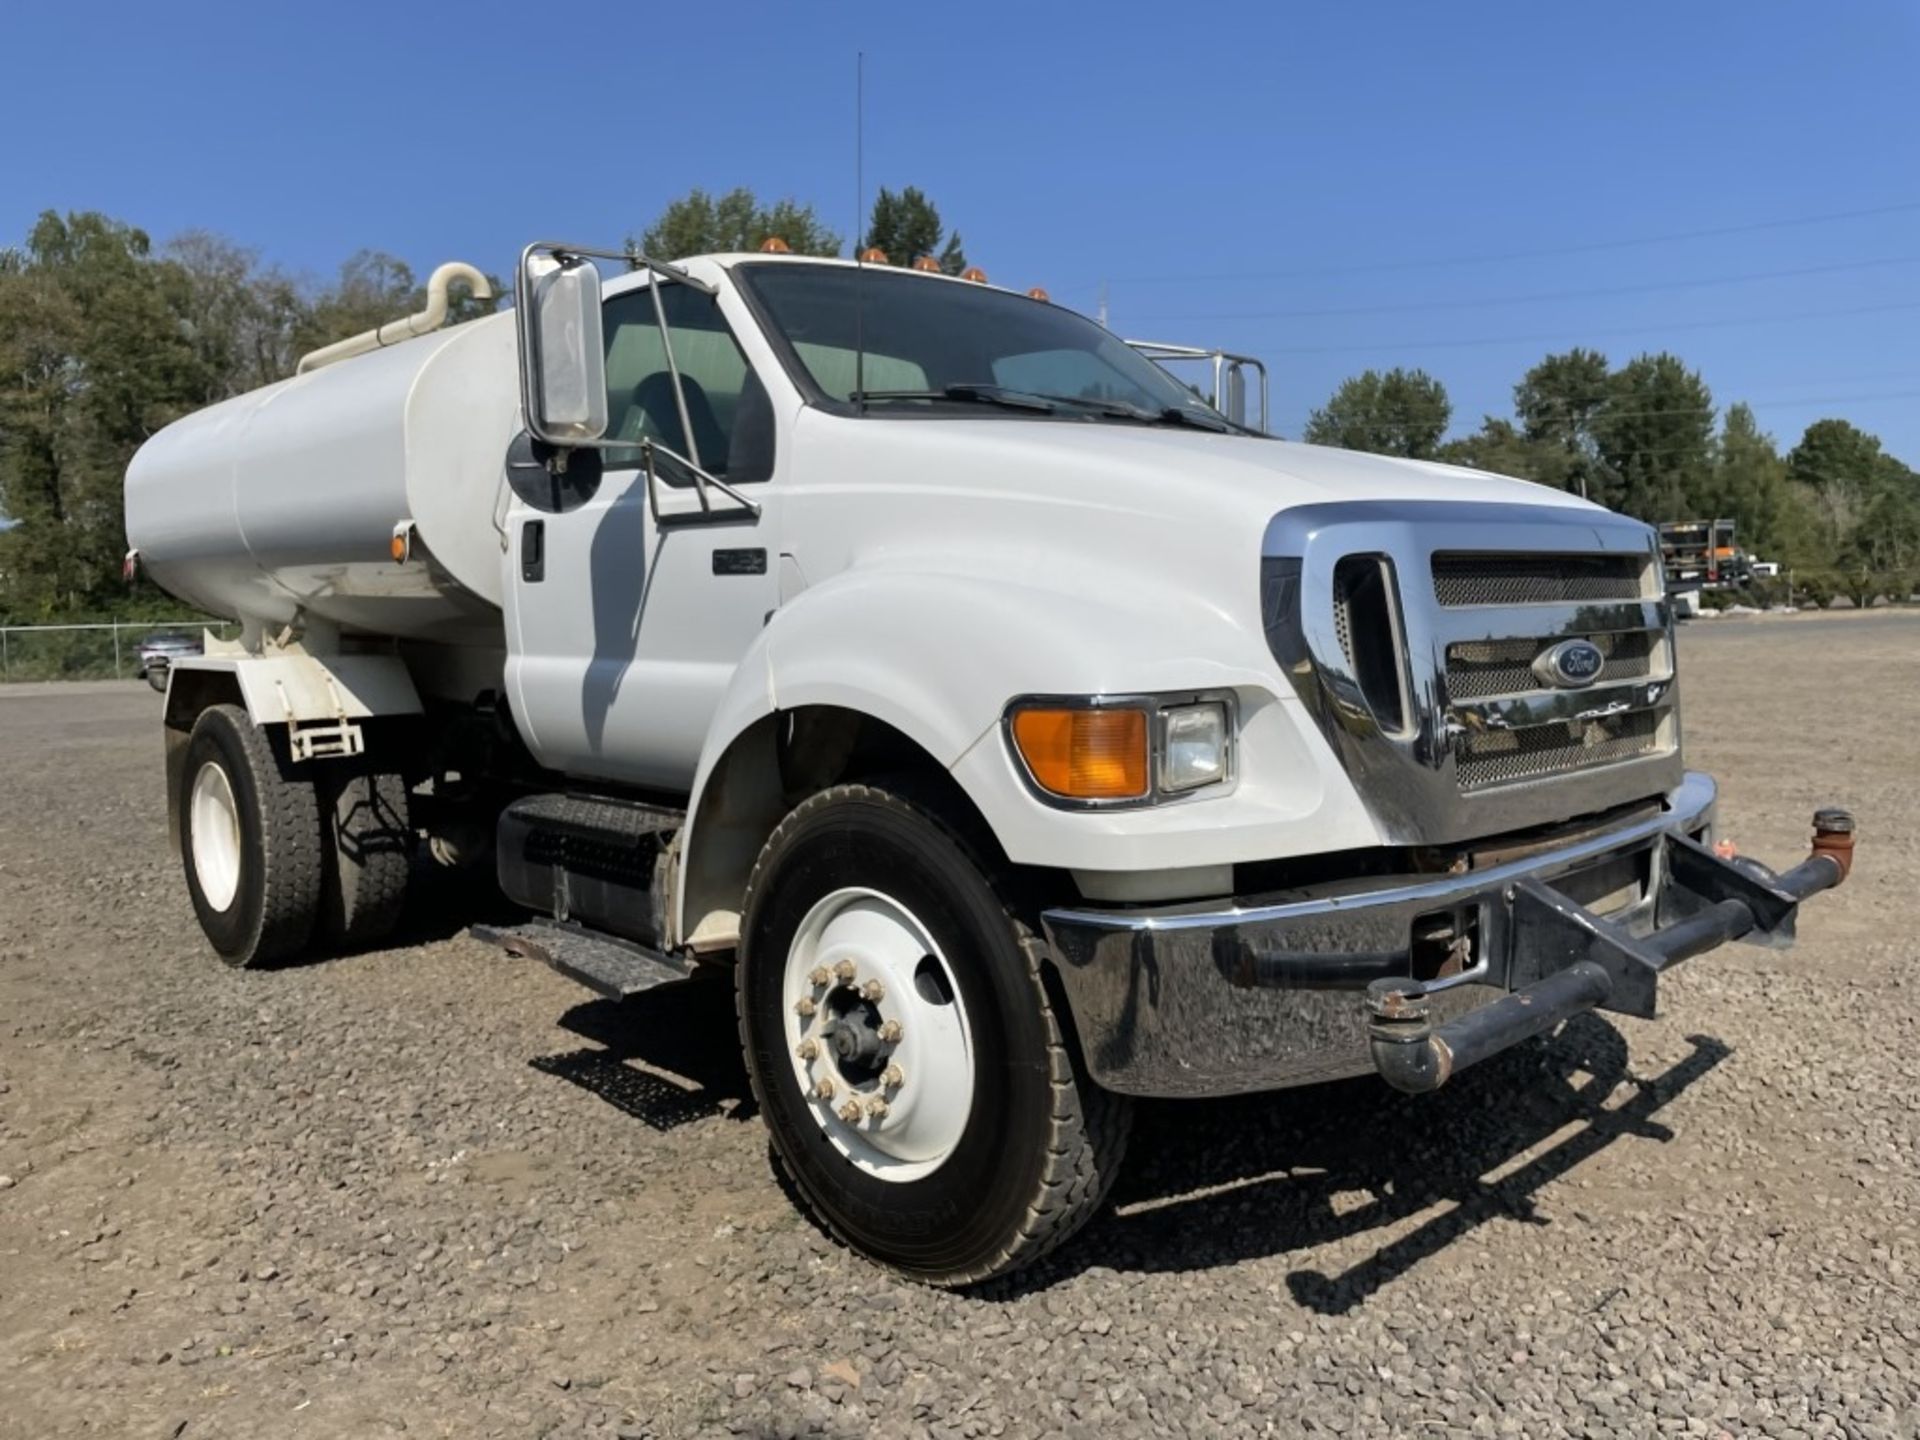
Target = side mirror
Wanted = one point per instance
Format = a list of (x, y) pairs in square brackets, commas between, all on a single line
[(563, 358)]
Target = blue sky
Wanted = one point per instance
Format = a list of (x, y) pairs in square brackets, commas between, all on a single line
[(1333, 187)]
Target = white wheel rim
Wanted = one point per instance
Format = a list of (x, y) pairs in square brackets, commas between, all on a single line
[(912, 1092), (215, 820)]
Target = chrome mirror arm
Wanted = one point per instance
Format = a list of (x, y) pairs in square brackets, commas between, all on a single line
[(701, 481)]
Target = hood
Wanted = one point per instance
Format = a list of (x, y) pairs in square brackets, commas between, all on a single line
[(1175, 473)]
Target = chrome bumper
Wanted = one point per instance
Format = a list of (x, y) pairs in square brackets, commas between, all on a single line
[(1262, 995)]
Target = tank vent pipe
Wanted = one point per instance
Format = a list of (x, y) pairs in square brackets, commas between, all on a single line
[(394, 331)]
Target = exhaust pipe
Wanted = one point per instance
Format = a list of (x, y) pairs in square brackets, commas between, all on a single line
[(394, 331)]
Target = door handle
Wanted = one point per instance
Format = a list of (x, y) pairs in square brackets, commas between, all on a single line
[(533, 552)]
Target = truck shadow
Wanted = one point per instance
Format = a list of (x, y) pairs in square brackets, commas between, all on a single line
[(1212, 1183), (657, 1060)]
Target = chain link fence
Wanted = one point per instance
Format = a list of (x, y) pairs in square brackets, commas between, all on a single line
[(108, 650)]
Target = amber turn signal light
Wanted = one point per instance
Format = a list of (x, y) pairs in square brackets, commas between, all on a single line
[(1085, 753)]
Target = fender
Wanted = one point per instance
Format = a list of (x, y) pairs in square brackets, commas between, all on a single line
[(861, 642), (318, 697)]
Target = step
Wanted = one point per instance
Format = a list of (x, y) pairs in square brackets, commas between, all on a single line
[(604, 964), (596, 817)]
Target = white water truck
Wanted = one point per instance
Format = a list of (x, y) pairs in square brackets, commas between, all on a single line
[(1024, 733)]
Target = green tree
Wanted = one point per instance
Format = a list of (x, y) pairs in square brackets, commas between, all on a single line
[(1654, 438), (1837, 452), (1556, 403), (702, 224), (240, 319), (1748, 482), (1868, 502), (907, 226), (95, 356), (1403, 412)]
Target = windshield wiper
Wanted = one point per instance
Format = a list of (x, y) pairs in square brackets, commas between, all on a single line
[(966, 394), (1147, 415)]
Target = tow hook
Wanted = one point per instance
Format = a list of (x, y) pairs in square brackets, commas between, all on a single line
[(1591, 961)]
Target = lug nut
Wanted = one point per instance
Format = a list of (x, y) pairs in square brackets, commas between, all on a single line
[(846, 970), (890, 1032), (808, 1049), (873, 990), (804, 1005), (893, 1077), (823, 1089), (818, 977), (877, 1108), (851, 1112)]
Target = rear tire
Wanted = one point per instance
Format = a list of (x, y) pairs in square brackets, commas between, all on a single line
[(854, 873), (249, 839), (369, 857)]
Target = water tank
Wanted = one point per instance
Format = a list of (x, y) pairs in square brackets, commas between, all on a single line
[(286, 498)]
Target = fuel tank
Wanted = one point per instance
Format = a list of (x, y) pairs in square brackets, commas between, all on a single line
[(285, 499)]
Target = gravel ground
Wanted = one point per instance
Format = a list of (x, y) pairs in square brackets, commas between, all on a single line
[(432, 1191)]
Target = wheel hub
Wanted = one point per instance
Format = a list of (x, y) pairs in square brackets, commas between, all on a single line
[(852, 1034), (879, 1038)]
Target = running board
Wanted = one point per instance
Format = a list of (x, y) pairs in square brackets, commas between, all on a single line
[(604, 964)]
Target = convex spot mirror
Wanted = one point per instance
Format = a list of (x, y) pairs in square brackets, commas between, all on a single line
[(563, 361)]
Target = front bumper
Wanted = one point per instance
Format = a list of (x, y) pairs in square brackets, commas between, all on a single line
[(1328, 982)]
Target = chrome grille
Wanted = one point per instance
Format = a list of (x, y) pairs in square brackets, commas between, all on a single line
[(1498, 757), (1423, 684), (1465, 577), (1479, 668)]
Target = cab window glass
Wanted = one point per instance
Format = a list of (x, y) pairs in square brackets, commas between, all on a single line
[(727, 407)]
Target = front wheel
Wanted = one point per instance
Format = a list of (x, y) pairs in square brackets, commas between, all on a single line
[(904, 1050)]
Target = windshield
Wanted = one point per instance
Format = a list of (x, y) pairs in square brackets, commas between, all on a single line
[(935, 344)]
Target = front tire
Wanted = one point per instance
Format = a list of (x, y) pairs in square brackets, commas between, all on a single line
[(878, 964), (250, 840)]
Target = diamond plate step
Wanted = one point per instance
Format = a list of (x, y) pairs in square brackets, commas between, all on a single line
[(611, 967)]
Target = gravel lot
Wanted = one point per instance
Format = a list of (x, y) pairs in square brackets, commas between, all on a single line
[(433, 1191)]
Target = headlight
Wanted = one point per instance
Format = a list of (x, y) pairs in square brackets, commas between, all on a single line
[(1132, 750), (1193, 746)]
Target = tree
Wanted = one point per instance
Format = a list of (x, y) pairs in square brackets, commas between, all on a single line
[(95, 356), (1868, 501), (1403, 412), (1654, 438), (1556, 403), (907, 226), (700, 224), (1836, 452), (240, 319), (1748, 482)]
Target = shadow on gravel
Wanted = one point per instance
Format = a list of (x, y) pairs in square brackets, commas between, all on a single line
[(655, 1060), (1211, 1183)]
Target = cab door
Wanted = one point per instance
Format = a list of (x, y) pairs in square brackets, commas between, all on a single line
[(623, 632)]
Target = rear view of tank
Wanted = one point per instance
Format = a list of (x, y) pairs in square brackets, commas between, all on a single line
[(280, 506)]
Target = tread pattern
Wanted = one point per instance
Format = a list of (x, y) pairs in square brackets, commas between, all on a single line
[(1090, 1126), (289, 816), (369, 858)]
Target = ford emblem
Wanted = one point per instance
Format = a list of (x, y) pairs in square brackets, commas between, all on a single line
[(1570, 665)]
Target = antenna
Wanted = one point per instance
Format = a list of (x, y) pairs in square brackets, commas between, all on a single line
[(859, 208)]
